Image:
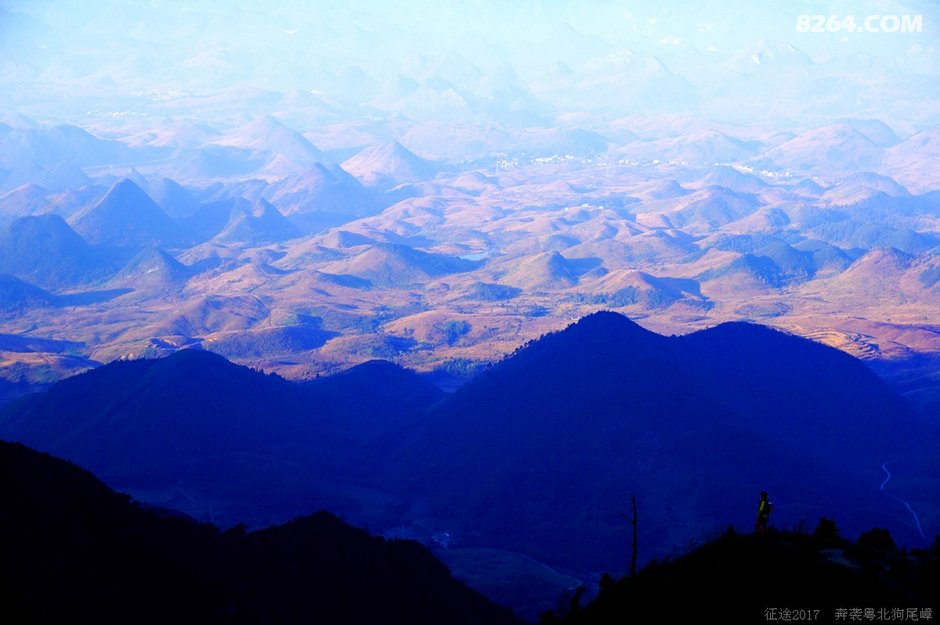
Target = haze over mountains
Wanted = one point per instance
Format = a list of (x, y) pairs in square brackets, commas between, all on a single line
[(446, 206), (505, 251), (477, 273)]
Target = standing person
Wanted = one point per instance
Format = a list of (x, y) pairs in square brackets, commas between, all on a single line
[(763, 513)]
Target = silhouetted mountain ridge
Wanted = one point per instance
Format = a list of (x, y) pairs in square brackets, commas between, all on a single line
[(107, 560), (750, 579), (550, 442), (538, 454), (269, 448), (127, 417)]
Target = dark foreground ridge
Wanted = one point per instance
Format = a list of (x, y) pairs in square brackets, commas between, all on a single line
[(532, 463), (782, 576), (73, 551)]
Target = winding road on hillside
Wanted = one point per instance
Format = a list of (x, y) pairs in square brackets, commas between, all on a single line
[(920, 529)]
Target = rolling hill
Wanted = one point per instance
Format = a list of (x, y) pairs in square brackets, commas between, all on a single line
[(246, 446), (150, 272), (27, 199), (388, 165), (321, 196), (836, 149), (551, 442), (394, 264), (257, 224), (624, 288), (16, 295), (710, 208), (172, 198), (283, 149), (910, 161), (46, 251), (109, 559), (127, 218)]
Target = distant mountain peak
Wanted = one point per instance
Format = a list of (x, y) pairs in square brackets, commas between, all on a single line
[(200, 357), (127, 217), (268, 135), (16, 294), (152, 270), (126, 189), (605, 320), (888, 257), (742, 328), (866, 180), (172, 197), (45, 250), (603, 336), (258, 223), (388, 164)]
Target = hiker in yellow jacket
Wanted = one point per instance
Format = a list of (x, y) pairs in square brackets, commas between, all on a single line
[(763, 513)]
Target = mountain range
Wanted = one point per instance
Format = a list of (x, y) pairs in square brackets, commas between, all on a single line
[(576, 423), (547, 446), (257, 208), (489, 276)]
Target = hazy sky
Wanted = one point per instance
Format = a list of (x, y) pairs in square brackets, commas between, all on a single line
[(366, 52)]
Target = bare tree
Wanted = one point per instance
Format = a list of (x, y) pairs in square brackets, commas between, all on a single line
[(631, 518)]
